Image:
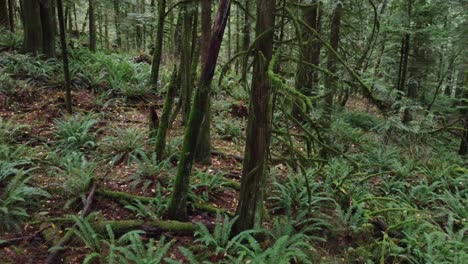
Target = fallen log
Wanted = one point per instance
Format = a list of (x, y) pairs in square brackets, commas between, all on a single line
[(225, 156), (150, 227), (125, 198)]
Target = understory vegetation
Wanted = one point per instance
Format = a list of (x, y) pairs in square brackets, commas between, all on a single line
[(375, 177)]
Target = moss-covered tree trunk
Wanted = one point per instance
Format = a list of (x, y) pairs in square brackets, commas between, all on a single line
[(309, 50), (186, 62), (257, 144), (165, 116), (92, 25), (203, 151), (178, 205), (32, 42), (63, 42), (157, 54)]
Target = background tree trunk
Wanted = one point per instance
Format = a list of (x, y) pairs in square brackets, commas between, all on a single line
[(245, 41), (330, 81), (32, 27), (118, 39), (48, 27), (203, 151), (309, 51), (157, 54), (11, 14), (4, 14), (250, 204), (178, 205), (63, 42), (92, 26)]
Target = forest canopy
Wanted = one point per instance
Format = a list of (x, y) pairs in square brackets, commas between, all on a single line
[(246, 131)]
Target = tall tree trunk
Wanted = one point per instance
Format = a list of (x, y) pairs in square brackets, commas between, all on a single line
[(178, 205), (164, 123), (157, 54), (48, 27), (11, 14), (257, 144), (117, 23), (330, 81), (92, 26), (203, 151), (3, 14), (309, 51), (186, 62), (63, 42), (32, 27), (245, 41)]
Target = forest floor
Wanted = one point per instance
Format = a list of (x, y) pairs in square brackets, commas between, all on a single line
[(349, 231)]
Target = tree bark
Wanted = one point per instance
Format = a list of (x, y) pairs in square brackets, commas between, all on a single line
[(309, 51), (32, 42), (186, 62), (245, 41), (92, 26), (157, 54), (203, 151), (165, 116), (48, 27), (254, 169), (66, 71), (117, 23), (4, 14), (11, 15), (178, 205), (330, 81)]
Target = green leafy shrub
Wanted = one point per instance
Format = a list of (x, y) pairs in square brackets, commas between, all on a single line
[(149, 168), (16, 196), (123, 143), (7, 84), (129, 248), (74, 133), (10, 40), (76, 173), (362, 120)]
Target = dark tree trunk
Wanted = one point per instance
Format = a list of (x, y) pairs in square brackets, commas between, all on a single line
[(203, 151), (63, 42), (32, 27), (178, 205), (11, 14), (48, 27), (4, 14), (157, 54), (330, 81), (254, 169), (92, 26), (403, 65)]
